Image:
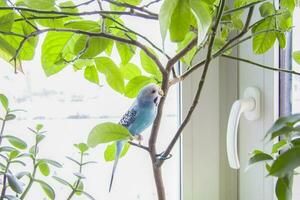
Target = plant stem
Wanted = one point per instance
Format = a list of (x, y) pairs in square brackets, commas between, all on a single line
[(78, 180), (4, 181), (30, 183), (2, 127)]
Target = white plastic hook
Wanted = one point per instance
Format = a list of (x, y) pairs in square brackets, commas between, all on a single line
[(250, 106)]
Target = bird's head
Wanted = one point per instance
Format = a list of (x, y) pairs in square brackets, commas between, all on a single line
[(150, 95)]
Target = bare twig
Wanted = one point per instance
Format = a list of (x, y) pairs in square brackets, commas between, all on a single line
[(242, 7), (126, 5), (78, 5), (151, 3), (261, 65), (208, 59), (94, 34), (139, 146), (41, 17), (104, 12), (27, 21)]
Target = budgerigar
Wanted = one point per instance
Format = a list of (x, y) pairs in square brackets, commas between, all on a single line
[(140, 116)]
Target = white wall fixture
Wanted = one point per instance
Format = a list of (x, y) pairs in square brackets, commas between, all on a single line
[(250, 106)]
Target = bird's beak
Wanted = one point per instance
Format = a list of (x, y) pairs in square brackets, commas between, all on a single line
[(161, 92)]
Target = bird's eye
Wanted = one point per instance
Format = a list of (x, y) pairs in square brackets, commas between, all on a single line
[(153, 91)]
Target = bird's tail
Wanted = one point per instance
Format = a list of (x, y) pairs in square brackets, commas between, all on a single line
[(119, 147)]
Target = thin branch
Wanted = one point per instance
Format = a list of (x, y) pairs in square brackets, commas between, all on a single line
[(126, 5), (139, 146), (12, 33), (136, 14), (200, 85), (151, 3), (261, 65), (242, 7), (181, 53), (41, 17), (27, 21), (78, 5), (94, 34), (263, 19), (140, 35)]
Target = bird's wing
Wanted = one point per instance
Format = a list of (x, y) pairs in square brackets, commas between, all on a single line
[(129, 117)]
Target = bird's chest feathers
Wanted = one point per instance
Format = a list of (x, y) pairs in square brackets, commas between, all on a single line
[(144, 118)]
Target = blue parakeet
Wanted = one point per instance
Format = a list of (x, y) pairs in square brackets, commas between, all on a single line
[(139, 117)]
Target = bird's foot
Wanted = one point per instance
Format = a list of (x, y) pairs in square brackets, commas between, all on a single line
[(139, 138), (162, 156)]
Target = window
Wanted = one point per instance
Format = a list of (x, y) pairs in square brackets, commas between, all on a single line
[(69, 106), (290, 85)]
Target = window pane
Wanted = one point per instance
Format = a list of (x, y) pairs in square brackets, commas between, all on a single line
[(69, 106), (296, 87)]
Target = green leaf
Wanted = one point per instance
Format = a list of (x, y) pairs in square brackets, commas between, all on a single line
[(278, 146), (62, 181), (113, 74), (91, 74), (149, 65), (107, 132), (13, 154), (39, 137), (6, 21), (283, 125), (165, 15), (80, 188), (47, 189), (281, 39), (266, 9), (11, 197), (4, 101), (20, 175), (126, 52), (284, 187), (263, 41), (286, 162), (44, 168), (259, 157), (10, 117), (131, 2), (16, 142), (40, 4), (296, 56), (52, 48), (134, 85), (39, 127), (130, 71), (96, 45), (82, 147), (14, 183), (288, 4), (110, 151), (50, 162), (81, 24), (202, 13), (7, 52), (187, 58), (180, 21)]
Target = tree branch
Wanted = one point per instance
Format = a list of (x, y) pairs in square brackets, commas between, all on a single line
[(200, 85), (261, 65), (126, 5), (180, 54), (242, 7), (94, 34), (139, 146), (136, 14), (78, 5)]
